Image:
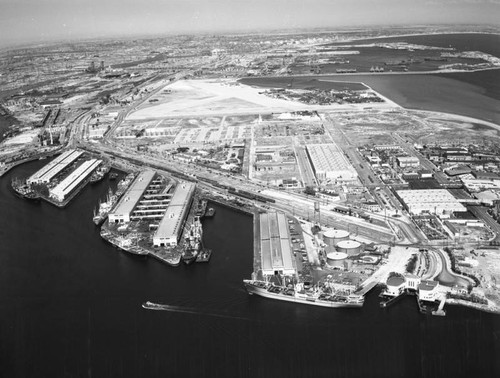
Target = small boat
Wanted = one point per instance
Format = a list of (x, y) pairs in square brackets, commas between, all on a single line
[(210, 212), (201, 208), (99, 174), (113, 176), (204, 256)]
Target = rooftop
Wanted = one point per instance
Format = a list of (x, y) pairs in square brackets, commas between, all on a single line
[(134, 192), (427, 285), (275, 243), (172, 220), (328, 157)]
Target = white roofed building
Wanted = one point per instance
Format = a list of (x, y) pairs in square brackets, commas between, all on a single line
[(170, 228), (52, 169), (275, 246), (329, 163), (75, 178), (432, 201), (123, 210)]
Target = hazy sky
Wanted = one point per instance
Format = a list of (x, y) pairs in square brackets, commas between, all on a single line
[(43, 20)]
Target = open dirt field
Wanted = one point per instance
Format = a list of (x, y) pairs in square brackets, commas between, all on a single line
[(224, 97)]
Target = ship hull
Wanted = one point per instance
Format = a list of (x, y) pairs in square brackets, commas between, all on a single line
[(188, 260), (252, 289), (26, 195)]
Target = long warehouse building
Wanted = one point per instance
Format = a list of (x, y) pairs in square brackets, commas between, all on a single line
[(49, 171), (123, 210), (431, 201), (75, 178), (329, 163), (276, 251), (170, 228)]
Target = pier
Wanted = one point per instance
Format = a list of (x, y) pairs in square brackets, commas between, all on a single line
[(393, 300), (440, 311), (36, 156), (365, 290)]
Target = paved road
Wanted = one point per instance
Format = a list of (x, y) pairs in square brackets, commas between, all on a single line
[(481, 213)]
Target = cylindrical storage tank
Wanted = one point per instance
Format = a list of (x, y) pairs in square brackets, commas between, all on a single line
[(351, 247), (332, 237), (336, 259)]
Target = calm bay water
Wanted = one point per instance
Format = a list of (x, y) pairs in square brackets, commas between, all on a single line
[(70, 305), (474, 94)]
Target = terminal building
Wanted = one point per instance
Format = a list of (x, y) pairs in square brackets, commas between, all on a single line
[(430, 201), (170, 228), (329, 163), (123, 211), (61, 191), (49, 171), (276, 251)]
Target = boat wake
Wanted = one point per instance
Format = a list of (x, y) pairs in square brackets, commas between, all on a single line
[(189, 310)]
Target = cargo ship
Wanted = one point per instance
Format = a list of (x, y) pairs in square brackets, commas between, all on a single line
[(298, 294), (23, 190), (105, 207), (193, 242)]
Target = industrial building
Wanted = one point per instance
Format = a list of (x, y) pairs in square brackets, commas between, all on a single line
[(329, 163), (408, 161), (49, 171), (276, 250), (170, 228), (75, 178), (123, 211), (433, 201)]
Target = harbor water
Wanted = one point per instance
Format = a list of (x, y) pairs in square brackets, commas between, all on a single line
[(70, 305)]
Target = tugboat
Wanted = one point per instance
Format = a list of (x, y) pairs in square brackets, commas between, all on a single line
[(204, 256), (193, 242), (201, 208), (99, 174), (210, 212)]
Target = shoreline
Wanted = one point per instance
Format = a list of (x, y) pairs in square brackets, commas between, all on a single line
[(414, 35), (475, 306)]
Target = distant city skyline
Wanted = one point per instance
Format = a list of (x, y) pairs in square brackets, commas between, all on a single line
[(35, 21)]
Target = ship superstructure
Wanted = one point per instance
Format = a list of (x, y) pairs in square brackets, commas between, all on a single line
[(316, 295), (193, 241)]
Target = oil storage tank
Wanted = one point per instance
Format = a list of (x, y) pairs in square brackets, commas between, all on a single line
[(351, 247), (332, 237), (336, 259)]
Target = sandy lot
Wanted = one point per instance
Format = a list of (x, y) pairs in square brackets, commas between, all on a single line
[(224, 97)]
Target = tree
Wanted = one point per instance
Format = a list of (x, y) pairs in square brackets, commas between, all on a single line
[(309, 190)]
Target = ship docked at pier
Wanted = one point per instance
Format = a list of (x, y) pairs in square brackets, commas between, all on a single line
[(297, 293), (99, 173), (105, 207), (23, 190), (193, 247)]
